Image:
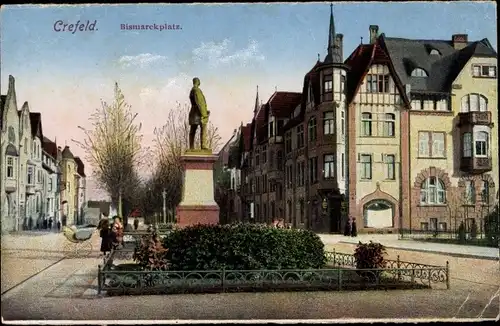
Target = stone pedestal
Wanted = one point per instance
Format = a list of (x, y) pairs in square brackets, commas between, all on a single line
[(198, 205)]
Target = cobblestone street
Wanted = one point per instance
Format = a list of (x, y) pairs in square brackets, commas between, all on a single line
[(67, 290)]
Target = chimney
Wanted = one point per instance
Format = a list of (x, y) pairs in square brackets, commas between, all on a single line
[(459, 41), (339, 42), (373, 33)]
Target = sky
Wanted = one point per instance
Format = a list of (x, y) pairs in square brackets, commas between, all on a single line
[(232, 48)]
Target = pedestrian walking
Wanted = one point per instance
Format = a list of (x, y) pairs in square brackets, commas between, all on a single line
[(354, 231), (136, 223), (58, 226), (45, 223), (51, 221), (106, 236), (348, 226)]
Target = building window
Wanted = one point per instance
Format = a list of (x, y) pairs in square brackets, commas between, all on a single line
[(328, 166), (288, 142), (327, 83), (467, 144), (416, 105), (424, 226), (442, 226), (485, 192), (484, 71), (366, 166), (342, 172), (39, 176), (432, 191), (470, 192), (389, 124), (366, 124), (30, 175), (10, 167), (264, 154), (435, 52), (310, 97), (311, 130), (377, 83), (300, 136), (289, 175), (328, 123), (442, 105), (271, 129), (280, 160), (431, 144), (434, 224), (481, 144), (390, 165), (301, 174), (418, 72), (342, 122), (301, 209), (473, 103), (313, 170), (342, 83)]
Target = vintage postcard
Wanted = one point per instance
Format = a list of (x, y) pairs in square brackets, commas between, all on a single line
[(249, 162)]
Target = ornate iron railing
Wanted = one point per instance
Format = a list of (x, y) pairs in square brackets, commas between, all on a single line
[(342, 276)]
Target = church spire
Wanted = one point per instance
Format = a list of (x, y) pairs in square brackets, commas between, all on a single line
[(256, 108), (331, 33), (334, 52)]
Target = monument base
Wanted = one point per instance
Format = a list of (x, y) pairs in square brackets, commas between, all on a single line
[(198, 205)]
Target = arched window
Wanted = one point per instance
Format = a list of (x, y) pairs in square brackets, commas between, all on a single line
[(389, 124), (311, 129), (435, 52), (366, 121), (474, 102), (418, 72), (432, 192)]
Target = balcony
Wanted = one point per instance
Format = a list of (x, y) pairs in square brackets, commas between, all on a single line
[(30, 189), (275, 174), (476, 165), (474, 118), (10, 185)]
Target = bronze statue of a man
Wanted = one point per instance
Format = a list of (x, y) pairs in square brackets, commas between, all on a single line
[(198, 116)]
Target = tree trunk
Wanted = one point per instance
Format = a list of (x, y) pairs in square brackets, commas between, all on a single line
[(120, 207)]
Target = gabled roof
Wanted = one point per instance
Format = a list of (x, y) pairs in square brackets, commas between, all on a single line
[(442, 69), (281, 104), (80, 167), (49, 147), (36, 124), (66, 153)]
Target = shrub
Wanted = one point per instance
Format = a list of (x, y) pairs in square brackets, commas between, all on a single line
[(149, 252), (243, 247), (461, 233), (369, 255), (492, 227)]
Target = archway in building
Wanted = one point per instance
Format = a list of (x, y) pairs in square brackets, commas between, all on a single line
[(378, 213)]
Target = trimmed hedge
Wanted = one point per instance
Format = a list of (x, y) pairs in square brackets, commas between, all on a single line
[(243, 247)]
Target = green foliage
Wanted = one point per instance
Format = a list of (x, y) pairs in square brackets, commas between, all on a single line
[(243, 247), (461, 233), (370, 255), (150, 253)]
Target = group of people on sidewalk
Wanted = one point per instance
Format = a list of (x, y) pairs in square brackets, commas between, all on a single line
[(111, 235), (350, 227)]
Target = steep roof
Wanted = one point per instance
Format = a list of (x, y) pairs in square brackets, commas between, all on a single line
[(441, 69), (3, 100), (80, 167), (66, 153), (49, 147), (36, 124), (281, 104)]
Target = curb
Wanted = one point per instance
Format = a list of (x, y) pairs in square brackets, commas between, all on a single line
[(37, 273), (436, 252)]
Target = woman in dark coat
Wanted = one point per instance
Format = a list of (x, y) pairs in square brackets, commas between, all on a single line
[(106, 236), (348, 227), (354, 231)]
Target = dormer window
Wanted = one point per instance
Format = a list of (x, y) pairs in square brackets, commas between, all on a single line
[(435, 52), (327, 83), (418, 72), (310, 98)]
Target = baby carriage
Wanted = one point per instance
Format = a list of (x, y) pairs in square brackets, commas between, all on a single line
[(78, 244)]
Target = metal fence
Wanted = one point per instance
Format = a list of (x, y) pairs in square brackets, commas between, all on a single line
[(448, 236), (343, 276)]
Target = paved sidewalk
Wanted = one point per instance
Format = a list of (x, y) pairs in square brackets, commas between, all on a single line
[(391, 241)]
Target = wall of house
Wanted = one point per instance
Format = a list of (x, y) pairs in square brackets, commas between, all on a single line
[(378, 145)]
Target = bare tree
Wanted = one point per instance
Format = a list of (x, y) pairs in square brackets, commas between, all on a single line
[(113, 148), (171, 142), (455, 201)]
